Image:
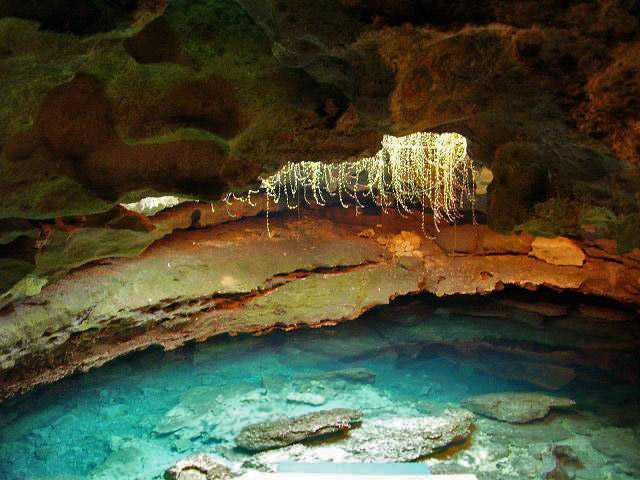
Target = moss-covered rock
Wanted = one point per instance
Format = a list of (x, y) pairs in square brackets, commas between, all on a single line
[(212, 95), (555, 217), (67, 250), (626, 232), (12, 271), (12, 229)]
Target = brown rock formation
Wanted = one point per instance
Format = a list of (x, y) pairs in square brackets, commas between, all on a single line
[(233, 278), (108, 102)]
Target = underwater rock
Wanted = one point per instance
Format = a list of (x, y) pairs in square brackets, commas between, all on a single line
[(130, 458), (557, 251), (564, 462), (353, 375), (178, 418), (307, 398), (286, 431), (619, 444), (386, 439), (404, 439), (515, 407), (198, 467)]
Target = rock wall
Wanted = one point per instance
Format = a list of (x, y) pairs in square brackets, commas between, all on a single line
[(320, 267), (201, 98)]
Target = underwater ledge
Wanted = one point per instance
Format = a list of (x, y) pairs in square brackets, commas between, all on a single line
[(319, 268)]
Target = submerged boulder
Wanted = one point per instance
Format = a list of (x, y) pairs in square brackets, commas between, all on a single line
[(383, 440), (404, 439), (198, 467), (518, 407), (286, 431)]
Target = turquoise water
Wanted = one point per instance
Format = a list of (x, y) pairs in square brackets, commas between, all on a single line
[(119, 421)]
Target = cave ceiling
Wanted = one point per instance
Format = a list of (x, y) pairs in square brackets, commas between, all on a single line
[(107, 102)]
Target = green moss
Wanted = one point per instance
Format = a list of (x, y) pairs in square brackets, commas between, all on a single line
[(46, 198), (554, 217), (564, 217), (627, 232), (38, 62), (65, 251), (599, 221), (220, 39), (183, 134), (12, 271)]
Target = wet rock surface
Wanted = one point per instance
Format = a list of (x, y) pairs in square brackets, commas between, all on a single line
[(390, 439), (199, 467), (516, 407), (280, 433)]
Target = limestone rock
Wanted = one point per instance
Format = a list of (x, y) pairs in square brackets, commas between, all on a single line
[(545, 309), (405, 244), (565, 462), (198, 467), (557, 251), (404, 439), (458, 238), (497, 243), (286, 431), (307, 398), (604, 314), (515, 407), (387, 439)]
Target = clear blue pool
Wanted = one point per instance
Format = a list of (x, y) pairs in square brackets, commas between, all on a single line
[(112, 422)]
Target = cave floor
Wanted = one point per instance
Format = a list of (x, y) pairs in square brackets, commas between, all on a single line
[(136, 416)]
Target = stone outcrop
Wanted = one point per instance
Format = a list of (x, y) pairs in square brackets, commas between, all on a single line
[(516, 407), (557, 251), (233, 278), (107, 103), (353, 375), (280, 433)]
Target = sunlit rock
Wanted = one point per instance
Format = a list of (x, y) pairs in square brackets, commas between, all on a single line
[(557, 251)]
